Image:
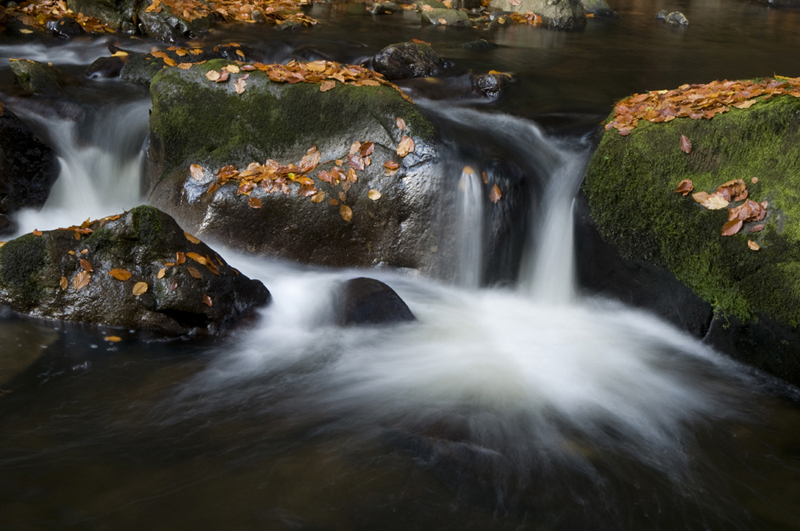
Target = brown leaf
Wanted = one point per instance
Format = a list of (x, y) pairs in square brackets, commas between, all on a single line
[(161, 272), (757, 228), (427, 7), (686, 144), (754, 180), (342, 197), (355, 147), (194, 272), (207, 300), (309, 161), (731, 189), (405, 146), (140, 288), (494, 194), (374, 195), (346, 212), (401, 124), (197, 172), (732, 227), (333, 202), (483, 177), (684, 187), (367, 148), (81, 280), (197, 258), (352, 176), (240, 85), (318, 197), (191, 238), (355, 161), (391, 165), (63, 283), (212, 75), (185, 66), (223, 76), (120, 274), (254, 202), (37, 232), (327, 85), (173, 287), (86, 265), (180, 257), (753, 245)]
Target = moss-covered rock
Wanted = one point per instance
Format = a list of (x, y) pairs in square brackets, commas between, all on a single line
[(28, 168), (39, 78), (630, 183), (196, 121), (39, 276), (117, 14), (557, 14)]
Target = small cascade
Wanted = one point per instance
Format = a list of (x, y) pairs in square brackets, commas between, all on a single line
[(469, 230)]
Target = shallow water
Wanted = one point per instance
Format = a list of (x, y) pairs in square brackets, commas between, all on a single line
[(526, 405)]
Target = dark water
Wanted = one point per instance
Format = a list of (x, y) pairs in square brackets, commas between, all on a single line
[(497, 411)]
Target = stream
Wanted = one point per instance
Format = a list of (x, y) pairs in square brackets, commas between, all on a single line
[(516, 402)]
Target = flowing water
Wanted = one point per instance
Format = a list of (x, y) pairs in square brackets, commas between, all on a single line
[(523, 404)]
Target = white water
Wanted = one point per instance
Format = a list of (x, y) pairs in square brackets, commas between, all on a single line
[(469, 230)]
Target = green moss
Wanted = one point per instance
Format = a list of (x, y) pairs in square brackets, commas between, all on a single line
[(100, 241), (268, 119), (21, 260), (630, 185), (147, 224)]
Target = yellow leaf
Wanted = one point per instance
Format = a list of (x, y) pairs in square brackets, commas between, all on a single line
[(374, 195), (161, 272), (212, 75), (113, 339), (233, 69), (25, 31), (346, 212), (63, 283), (196, 171), (191, 238), (140, 288), (197, 258), (753, 245), (327, 85), (119, 53), (185, 66)]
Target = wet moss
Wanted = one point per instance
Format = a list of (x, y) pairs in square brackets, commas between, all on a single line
[(21, 261), (630, 185), (147, 224)]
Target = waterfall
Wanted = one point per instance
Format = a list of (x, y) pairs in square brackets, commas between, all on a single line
[(469, 229)]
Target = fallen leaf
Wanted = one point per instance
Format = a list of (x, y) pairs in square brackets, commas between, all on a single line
[(196, 171), (684, 187), (113, 339), (427, 7), (405, 146), (254, 202), (352, 176), (494, 194), (239, 85), (374, 195), (180, 257), (346, 212), (342, 196), (139, 288), (732, 227), (25, 31), (233, 69), (753, 245), (391, 165), (86, 265), (686, 144), (754, 180), (713, 201), (207, 300), (731, 189), (483, 177), (318, 197), (356, 161), (81, 280), (366, 149), (355, 147), (191, 238), (185, 66), (223, 76), (401, 124), (63, 283), (194, 272), (212, 75), (333, 202), (197, 258), (757, 228), (441, 20), (327, 85), (173, 287), (120, 274), (85, 251), (161, 272), (37, 232)]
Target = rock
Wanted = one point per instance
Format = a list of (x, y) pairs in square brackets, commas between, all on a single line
[(380, 8), (65, 27), (435, 4), (28, 168), (141, 68), (756, 291), (479, 45), (599, 8), (445, 17), (466, 4), (364, 301), (204, 294), (195, 121), (661, 15), (559, 14), (106, 67), (39, 78), (170, 27), (676, 18), (406, 60), (491, 85), (118, 14), (780, 3)]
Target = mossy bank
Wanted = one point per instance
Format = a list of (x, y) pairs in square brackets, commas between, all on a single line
[(630, 187)]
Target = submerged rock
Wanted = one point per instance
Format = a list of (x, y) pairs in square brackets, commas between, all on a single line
[(407, 60), (558, 14), (364, 301), (136, 270), (380, 8), (599, 8), (479, 45), (755, 294), (491, 85), (39, 78), (378, 216), (676, 18), (106, 67), (28, 168), (65, 27)]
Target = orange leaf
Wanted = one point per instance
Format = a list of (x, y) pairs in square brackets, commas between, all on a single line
[(113, 339), (161, 272), (327, 85), (442, 21), (194, 272), (139, 288), (391, 165), (254, 202), (684, 187), (483, 177), (120, 274), (346, 212), (366, 149), (180, 258), (86, 265), (494, 194), (191, 238), (197, 258), (405, 146), (196, 171), (81, 280), (207, 300), (63, 283), (37, 232), (427, 7), (753, 245), (732, 227), (351, 175)]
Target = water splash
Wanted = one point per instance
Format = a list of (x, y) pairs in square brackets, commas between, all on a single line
[(469, 229)]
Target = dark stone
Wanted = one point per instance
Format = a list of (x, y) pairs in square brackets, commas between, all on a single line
[(479, 45), (141, 68), (140, 241), (106, 67), (676, 18), (599, 8), (28, 168), (65, 27), (556, 14), (491, 85), (661, 15), (170, 27), (407, 60), (39, 78), (381, 8), (368, 301), (118, 14)]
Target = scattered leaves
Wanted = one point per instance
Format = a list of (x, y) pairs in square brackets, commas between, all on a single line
[(140, 288)]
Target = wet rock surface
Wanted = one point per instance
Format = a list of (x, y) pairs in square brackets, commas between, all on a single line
[(28, 168), (366, 301), (407, 60), (556, 14), (138, 270), (40, 79)]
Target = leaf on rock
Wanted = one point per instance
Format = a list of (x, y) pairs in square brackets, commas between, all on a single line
[(180, 257), (223, 76), (732, 227), (140, 288), (754, 180), (494, 194), (391, 165), (239, 85), (207, 300), (85, 265), (374, 194), (355, 161), (254, 202), (161, 272), (196, 171), (185, 66), (731, 189), (483, 178), (352, 176), (327, 85), (442, 21), (346, 212), (686, 144), (309, 161), (191, 238), (113, 339), (120, 274), (757, 228), (37, 232), (212, 75), (401, 124), (405, 146), (63, 283), (753, 245), (173, 287), (684, 187), (367, 148), (81, 280), (197, 258), (713, 201), (233, 69), (427, 7), (194, 272), (318, 197)]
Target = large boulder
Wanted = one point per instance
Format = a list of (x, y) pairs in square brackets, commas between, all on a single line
[(28, 168), (136, 270), (160, 22), (598, 8), (560, 14), (117, 14), (40, 79), (751, 279), (377, 216), (366, 301), (407, 60)]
